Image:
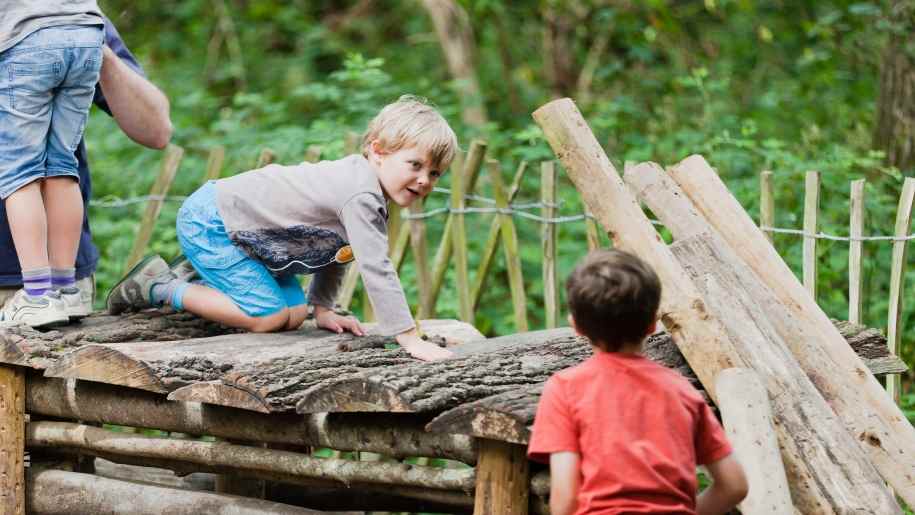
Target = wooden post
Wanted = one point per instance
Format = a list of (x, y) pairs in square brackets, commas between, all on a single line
[(265, 158), (312, 154), (548, 235), (591, 232), (897, 278), (459, 244), (766, 203), (811, 210), (868, 412), (503, 478), (214, 163), (855, 248), (170, 162), (351, 278), (12, 440), (420, 257), (510, 246), (492, 241), (471, 171), (747, 418)]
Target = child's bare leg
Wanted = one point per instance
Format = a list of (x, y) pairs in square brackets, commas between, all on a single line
[(214, 305), (297, 315), (64, 207), (29, 226)]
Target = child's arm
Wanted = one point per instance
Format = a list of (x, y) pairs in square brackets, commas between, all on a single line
[(729, 487), (563, 482)]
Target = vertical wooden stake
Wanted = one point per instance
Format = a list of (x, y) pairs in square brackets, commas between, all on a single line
[(214, 163), (811, 209), (351, 278), (492, 242), (548, 236), (265, 158), (510, 246), (897, 278), (855, 248), (502, 479), (170, 162), (420, 257), (459, 245), (12, 440), (766, 203), (591, 231), (312, 154)]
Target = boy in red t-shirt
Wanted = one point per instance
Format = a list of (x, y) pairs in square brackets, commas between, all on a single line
[(621, 433)]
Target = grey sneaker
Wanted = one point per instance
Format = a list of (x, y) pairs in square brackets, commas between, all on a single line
[(133, 292), (44, 311), (183, 269), (76, 304)]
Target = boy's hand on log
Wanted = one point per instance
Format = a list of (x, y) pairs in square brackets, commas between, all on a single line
[(326, 318), (425, 350)]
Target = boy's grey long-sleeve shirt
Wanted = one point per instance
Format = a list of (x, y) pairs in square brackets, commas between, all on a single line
[(19, 18), (313, 218)]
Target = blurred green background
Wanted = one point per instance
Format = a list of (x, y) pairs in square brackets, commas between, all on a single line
[(783, 86)]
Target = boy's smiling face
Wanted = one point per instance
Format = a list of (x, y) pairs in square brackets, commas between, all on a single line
[(405, 175)]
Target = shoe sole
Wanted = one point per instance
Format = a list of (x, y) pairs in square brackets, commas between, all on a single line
[(46, 322), (143, 262)]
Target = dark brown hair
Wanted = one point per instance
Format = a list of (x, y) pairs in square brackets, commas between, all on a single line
[(613, 298)]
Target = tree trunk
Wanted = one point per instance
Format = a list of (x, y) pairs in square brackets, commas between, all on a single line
[(895, 130), (456, 37)]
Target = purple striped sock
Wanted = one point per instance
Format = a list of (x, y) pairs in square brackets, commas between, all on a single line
[(36, 281), (62, 277)]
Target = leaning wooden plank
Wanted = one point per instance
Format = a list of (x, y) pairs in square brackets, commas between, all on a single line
[(170, 162), (868, 412), (897, 277), (398, 436), (56, 492), (458, 237), (244, 460), (12, 440), (747, 418), (510, 247)]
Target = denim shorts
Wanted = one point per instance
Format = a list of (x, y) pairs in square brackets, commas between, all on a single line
[(225, 267), (47, 82)]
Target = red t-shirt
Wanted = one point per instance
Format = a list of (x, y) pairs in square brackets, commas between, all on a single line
[(639, 428)]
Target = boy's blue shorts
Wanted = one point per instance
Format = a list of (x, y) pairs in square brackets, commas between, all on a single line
[(225, 267), (47, 82)]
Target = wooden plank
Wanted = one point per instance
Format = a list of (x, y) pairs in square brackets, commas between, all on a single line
[(894, 328), (351, 277), (862, 403), (459, 245), (766, 203), (510, 248), (12, 440), (747, 418), (170, 162), (811, 212), (548, 238), (492, 241), (470, 170), (214, 163), (419, 247), (502, 481), (855, 250)]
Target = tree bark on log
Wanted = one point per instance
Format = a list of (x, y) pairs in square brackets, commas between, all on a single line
[(246, 461), (12, 440), (747, 419), (56, 492), (399, 436), (868, 412)]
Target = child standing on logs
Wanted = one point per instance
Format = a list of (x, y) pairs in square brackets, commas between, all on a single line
[(247, 236), (50, 61), (621, 433)]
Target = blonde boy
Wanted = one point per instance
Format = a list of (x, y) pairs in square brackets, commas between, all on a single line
[(247, 236)]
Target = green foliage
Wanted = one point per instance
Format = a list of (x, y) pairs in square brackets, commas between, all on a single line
[(788, 87)]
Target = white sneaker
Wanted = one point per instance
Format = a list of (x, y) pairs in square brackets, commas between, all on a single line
[(76, 304), (44, 311)]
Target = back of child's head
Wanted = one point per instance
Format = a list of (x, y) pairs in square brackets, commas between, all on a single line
[(613, 298), (412, 121)]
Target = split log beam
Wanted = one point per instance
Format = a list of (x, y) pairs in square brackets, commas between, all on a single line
[(12, 440), (399, 436), (56, 492), (866, 410), (373, 500), (246, 461), (747, 418), (503, 479)]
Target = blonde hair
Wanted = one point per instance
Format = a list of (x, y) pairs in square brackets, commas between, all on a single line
[(412, 121)]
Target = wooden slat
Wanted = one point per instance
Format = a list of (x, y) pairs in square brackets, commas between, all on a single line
[(811, 211), (548, 239), (855, 248), (492, 241), (897, 277), (266, 157), (766, 203), (419, 247), (12, 440), (591, 232), (351, 277), (459, 244), (510, 247), (312, 154), (214, 163), (502, 480), (170, 162)]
